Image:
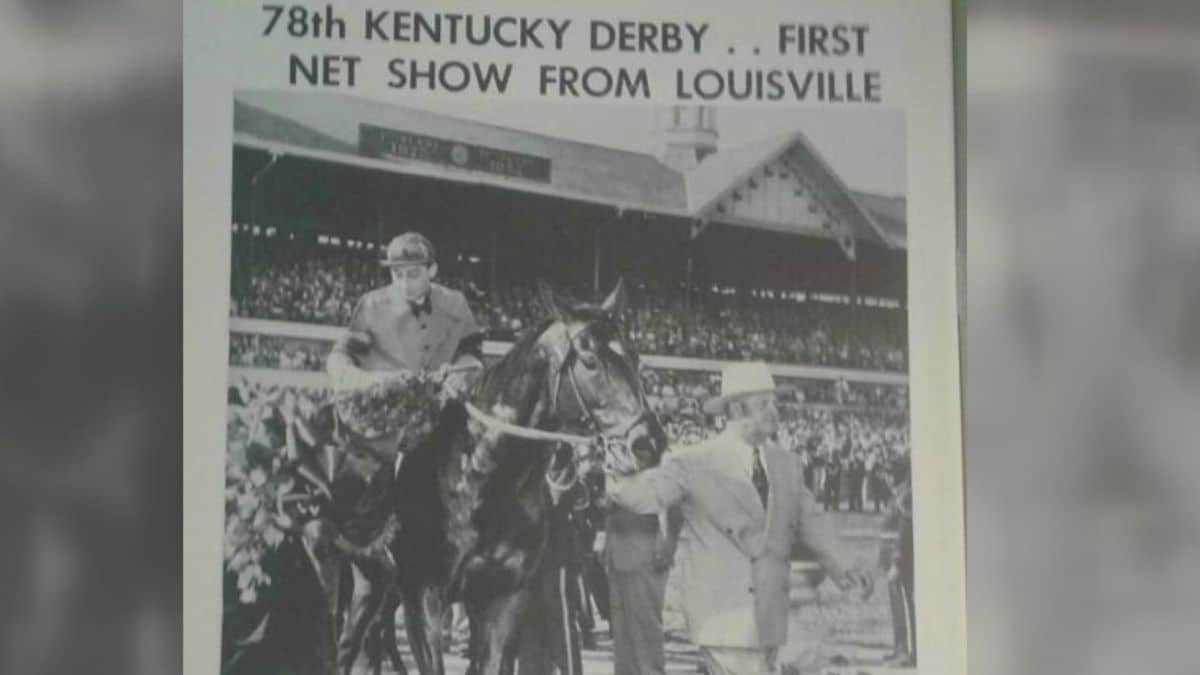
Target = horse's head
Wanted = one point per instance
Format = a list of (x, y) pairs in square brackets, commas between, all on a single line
[(595, 388)]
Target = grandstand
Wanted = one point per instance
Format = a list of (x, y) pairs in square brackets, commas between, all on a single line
[(322, 182)]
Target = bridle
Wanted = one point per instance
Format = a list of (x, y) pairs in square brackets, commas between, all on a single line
[(600, 441)]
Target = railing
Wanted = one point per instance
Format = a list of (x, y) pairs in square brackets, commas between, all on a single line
[(307, 331)]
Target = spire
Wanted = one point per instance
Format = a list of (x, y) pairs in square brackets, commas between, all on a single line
[(689, 135)]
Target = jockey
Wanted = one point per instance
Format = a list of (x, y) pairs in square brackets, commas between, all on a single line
[(412, 325)]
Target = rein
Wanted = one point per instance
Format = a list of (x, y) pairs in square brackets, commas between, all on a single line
[(527, 433)]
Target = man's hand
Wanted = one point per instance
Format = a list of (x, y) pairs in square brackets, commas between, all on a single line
[(599, 543), (619, 460)]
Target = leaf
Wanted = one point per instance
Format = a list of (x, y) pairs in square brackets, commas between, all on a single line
[(246, 576), (273, 536), (247, 505)]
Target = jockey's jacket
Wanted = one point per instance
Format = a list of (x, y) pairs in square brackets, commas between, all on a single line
[(387, 335)]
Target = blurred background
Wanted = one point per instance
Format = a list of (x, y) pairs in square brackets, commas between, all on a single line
[(90, 336), (1082, 151), (1082, 194)]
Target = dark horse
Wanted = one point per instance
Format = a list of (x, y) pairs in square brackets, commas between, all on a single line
[(482, 522)]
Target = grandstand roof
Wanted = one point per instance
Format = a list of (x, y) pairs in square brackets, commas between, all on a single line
[(889, 213), (332, 127)]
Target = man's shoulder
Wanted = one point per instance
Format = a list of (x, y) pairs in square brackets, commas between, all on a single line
[(451, 301), (376, 298)]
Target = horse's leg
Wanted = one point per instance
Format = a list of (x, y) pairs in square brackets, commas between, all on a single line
[(423, 609), (570, 656), (495, 632), (381, 637), (371, 584), (387, 624), (550, 638), (327, 564)]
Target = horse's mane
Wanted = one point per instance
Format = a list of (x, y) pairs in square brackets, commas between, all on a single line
[(516, 359)]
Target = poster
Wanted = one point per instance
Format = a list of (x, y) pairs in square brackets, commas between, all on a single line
[(433, 252)]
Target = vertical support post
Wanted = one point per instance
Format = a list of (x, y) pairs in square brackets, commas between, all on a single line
[(596, 260), (495, 243), (689, 278), (853, 285)]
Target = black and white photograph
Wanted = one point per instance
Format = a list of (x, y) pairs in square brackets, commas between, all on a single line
[(542, 387)]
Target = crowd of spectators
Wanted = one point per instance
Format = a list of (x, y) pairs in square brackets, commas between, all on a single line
[(850, 457), (268, 351), (734, 326), (284, 281)]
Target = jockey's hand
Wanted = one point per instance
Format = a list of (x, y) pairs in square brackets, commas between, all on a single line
[(358, 343), (856, 579), (455, 385), (460, 377)]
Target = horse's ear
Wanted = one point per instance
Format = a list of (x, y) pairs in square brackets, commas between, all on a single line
[(548, 300), (615, 302)]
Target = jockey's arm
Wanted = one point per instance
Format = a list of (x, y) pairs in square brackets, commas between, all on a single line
[(467, 364), (342, 364)]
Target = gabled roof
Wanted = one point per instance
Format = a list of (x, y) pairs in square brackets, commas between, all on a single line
[(328, 127), (723, 171)]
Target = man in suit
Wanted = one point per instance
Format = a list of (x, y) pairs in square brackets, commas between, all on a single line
[(638, 551), (743, 509), (857, 473), (408, 326), (896, 558), (833, 482)]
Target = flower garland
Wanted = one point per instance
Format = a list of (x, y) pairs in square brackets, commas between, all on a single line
[(405, 407), (260, 484)]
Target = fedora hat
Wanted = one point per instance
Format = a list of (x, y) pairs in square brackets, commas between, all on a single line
[(410, 248), (739, 380)]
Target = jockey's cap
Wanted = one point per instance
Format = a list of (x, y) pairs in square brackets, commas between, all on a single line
[(410, 248)]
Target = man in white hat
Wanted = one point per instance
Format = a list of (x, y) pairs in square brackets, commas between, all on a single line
[(744, 507)]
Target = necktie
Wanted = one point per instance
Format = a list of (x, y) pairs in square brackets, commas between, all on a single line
[(760, 478), (425, 306)]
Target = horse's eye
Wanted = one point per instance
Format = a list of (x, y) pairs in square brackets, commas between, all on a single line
[(584, 343)]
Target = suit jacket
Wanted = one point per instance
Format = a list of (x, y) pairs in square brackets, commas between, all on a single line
[(734, 558), (400, 340)]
